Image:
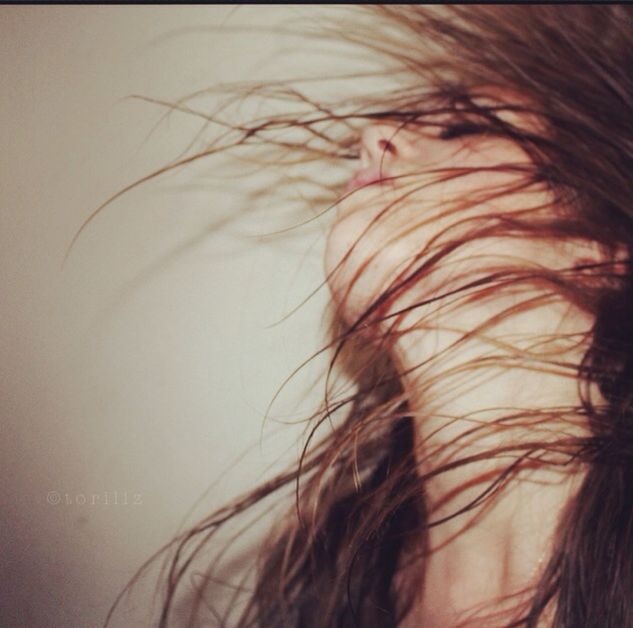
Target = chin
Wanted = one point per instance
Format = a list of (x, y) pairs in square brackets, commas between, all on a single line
[(360, 268)]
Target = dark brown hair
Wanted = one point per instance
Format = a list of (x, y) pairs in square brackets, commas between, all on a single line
[(337, 557)]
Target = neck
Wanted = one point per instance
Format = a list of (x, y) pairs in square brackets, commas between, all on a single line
[(495, 424)]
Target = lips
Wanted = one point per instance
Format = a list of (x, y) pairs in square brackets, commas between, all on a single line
[(365, 177)]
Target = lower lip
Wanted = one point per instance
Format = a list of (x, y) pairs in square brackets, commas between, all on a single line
[(363, 180)]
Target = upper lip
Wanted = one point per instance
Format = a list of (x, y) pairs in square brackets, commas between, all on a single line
[(364, 177)]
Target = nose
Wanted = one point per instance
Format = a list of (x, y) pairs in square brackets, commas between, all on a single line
[(381, 145)]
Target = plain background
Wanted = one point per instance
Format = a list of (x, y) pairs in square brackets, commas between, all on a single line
[(134, 376)]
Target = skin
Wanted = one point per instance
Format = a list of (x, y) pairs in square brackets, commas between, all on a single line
[(482, 564)]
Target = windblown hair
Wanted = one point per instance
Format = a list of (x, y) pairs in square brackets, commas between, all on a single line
[(338, 558)]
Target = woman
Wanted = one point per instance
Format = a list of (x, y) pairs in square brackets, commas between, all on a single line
[(479, 470)]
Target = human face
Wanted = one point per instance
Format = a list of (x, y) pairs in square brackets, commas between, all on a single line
[(413, 221)]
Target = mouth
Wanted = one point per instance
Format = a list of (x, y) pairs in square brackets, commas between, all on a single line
[(364, 178)]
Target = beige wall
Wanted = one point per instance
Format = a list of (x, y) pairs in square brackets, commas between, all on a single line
[(146, 364)]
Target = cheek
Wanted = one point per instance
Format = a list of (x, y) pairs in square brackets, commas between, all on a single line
[(382, 233)]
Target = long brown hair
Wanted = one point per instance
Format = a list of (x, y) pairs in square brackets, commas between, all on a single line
[(338, 557)]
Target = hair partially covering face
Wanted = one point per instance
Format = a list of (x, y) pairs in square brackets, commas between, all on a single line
[(337, 557)]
